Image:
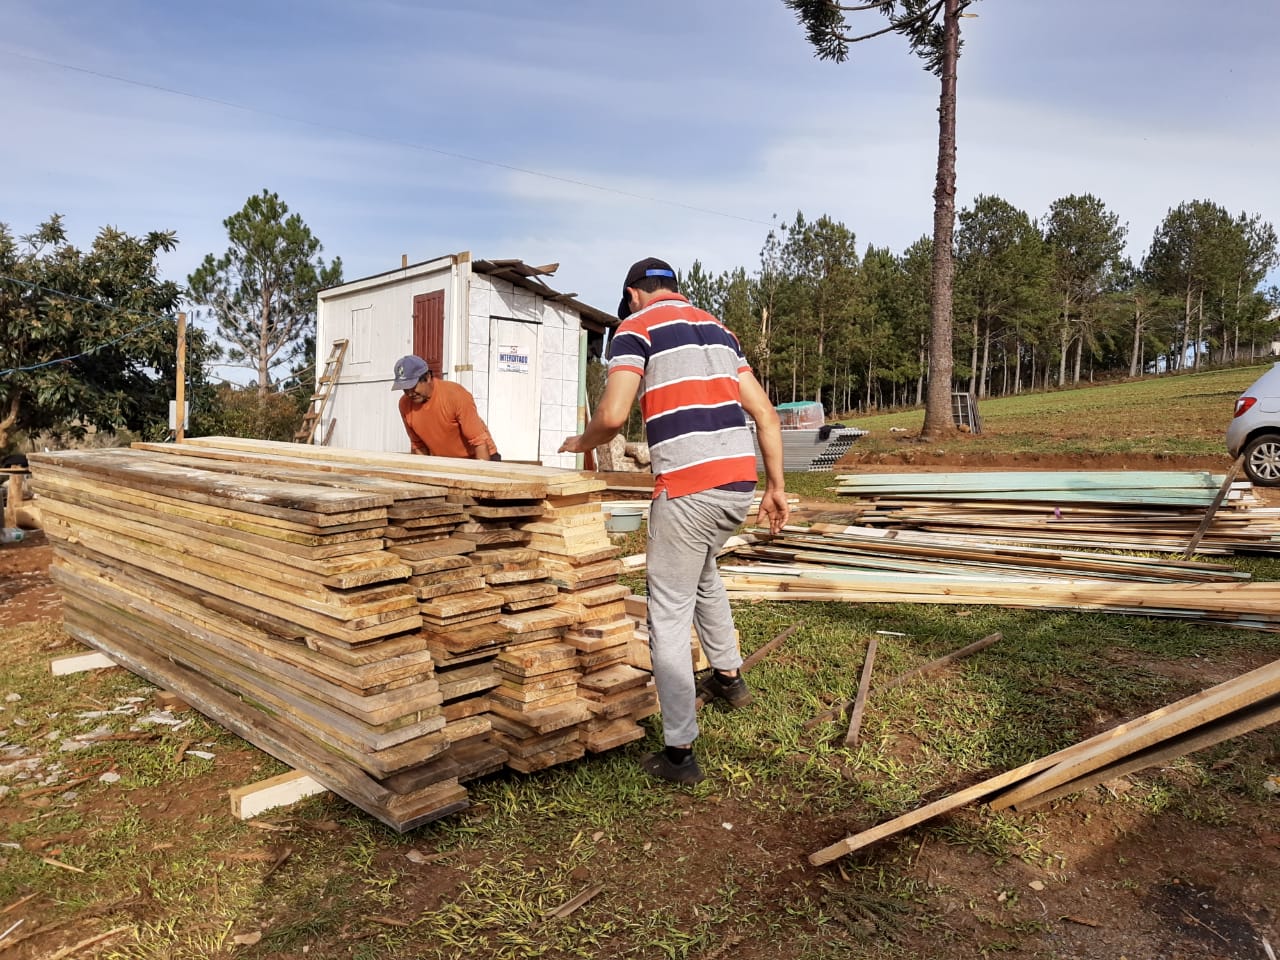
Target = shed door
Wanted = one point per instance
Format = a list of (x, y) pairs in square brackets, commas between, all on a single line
[(515, 387), (428, 329)]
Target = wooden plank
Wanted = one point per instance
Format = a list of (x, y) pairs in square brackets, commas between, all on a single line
[(80, 663), (860, 702), (286, 745), (1237, 724), (386, 665), (953, 801), (288, 501), (352, 623), (241, 564), (1213, 507), (396, 718), (495, 479), (208, 459), (255, 799), (1187, 714), (309, 540)]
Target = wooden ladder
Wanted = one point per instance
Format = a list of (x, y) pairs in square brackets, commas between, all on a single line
[(326, 383)]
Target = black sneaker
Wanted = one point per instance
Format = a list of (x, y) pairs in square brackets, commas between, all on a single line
[(659, 765), (734, 692)]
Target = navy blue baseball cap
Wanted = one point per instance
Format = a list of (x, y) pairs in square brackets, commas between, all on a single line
[(648, 267)]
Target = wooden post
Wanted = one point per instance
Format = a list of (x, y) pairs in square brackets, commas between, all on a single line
[(180, 379), (13, 495), (860, 702)]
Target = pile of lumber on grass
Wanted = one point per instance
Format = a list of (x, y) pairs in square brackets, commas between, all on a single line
[(392, 625), (869, 565), (1148, 511), (1228, 710)]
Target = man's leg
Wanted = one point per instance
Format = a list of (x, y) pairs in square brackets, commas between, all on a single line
[(712, 615), (683, 533)]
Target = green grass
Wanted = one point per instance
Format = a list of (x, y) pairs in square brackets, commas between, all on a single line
[(1176, 416), (530, 843), (678, 883)]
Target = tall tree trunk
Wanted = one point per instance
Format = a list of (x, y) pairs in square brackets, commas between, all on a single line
[(10, 418), (1195, 364), (937, 413), (1186, 330), (1064, 343), (264, 364), (822, 345), (1135, 354), (986, 359), (922, 358), (973, 357), (1075, 373)]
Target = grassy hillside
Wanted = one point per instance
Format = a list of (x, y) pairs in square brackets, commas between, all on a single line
[(1183, 415)]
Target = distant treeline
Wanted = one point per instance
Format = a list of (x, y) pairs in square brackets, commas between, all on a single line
[(1039, 303)]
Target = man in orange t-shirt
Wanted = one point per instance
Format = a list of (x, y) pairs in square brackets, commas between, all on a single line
[(440, 417)]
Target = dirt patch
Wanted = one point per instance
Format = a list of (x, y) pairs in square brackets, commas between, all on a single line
[(1109, 879), (26, 592)]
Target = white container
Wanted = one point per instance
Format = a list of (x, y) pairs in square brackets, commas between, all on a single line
[(11, 534), (624, 519)]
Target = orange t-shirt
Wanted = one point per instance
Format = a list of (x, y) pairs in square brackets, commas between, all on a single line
[(447, 425)]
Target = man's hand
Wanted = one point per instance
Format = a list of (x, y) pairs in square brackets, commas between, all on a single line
[(773, 510), (574, 445)]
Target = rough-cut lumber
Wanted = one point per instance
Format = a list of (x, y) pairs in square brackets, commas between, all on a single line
[(254, 799), (860, 701), (1236, 724), (1147, 512), (1162, 725), (342, 614), (1256, 689), (480, 478), (1213, 507), (80, 663)]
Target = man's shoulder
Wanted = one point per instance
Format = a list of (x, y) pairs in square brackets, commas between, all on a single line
[(670, 309), (455, 393)]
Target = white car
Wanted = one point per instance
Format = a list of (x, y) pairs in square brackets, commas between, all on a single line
[(1255, 429)]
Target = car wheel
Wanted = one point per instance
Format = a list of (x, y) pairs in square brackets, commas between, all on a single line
[(1262, 460)]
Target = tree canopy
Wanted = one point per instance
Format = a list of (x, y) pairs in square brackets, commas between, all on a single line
[(88, 337), (1039, 302), (262, 290), (932, 28)]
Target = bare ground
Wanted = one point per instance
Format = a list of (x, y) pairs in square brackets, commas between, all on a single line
[(1121, 883)]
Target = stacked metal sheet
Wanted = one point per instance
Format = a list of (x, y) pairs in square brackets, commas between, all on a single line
[(809, 450)]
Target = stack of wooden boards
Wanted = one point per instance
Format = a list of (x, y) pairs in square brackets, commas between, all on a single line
[(1230, 709), (393, 625), (1148, 511), (868, 565)]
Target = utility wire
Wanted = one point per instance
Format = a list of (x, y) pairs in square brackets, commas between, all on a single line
[(426, 148), (97, 303), (155, 321)]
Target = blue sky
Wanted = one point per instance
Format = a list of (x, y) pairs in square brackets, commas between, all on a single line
[(612, 131)]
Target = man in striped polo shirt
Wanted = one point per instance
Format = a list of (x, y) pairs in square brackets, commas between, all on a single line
[(695, 390)]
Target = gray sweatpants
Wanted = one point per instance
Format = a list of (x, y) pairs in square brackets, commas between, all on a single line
[(685, 590)]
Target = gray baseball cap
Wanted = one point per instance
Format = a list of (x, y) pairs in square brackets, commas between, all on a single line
[(409, 370)]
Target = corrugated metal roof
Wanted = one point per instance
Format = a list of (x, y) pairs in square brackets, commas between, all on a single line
[(530, 277), (514, 271)]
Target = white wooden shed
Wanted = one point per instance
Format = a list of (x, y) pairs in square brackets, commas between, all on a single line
[(493, 326)]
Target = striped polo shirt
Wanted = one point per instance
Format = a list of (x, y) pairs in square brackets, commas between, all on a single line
[(689, 363)]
